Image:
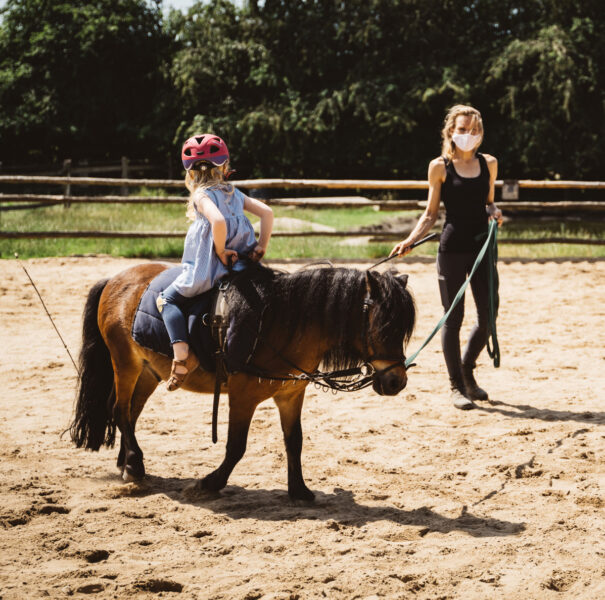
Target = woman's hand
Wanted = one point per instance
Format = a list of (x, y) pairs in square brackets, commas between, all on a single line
[(402, 248), (498, 216), (228, 256), (257, 253), (494, 213)]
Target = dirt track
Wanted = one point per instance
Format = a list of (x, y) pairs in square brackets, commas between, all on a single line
[(414, 498)]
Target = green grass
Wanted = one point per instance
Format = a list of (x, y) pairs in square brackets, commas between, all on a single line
[(158, 217)]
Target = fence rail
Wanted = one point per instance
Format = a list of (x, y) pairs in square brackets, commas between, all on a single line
[(373, 235), (331, 202), (359, 184), (38, 200)]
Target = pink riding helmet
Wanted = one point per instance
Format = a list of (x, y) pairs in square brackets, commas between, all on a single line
[(204, 147)]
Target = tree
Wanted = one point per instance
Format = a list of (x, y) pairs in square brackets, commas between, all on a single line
[(81, 79), (549, 92)]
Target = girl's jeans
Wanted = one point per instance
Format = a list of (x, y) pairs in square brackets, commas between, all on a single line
[(172, 313)]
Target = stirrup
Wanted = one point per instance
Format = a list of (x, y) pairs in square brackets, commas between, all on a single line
[(176, 380)]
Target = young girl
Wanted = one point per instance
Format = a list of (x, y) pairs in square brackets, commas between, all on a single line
[(220, 233), (464, 180)]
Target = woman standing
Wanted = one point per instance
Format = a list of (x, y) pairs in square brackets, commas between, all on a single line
[(464, 180)]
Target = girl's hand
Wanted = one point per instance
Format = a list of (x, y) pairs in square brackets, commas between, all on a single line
[(228, 256), (257, 253), (402, 248)]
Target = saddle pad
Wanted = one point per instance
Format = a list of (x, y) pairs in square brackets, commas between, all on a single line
[(149, 331)]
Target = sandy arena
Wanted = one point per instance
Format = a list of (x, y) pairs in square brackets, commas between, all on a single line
[(415, 499)]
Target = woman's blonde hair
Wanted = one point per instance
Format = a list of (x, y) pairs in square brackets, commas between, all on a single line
[(448, 147), (206, 176)]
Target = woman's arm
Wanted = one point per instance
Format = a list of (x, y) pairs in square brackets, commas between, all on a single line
[(427, 220), (205, 206), (492, 210), (260, 209)]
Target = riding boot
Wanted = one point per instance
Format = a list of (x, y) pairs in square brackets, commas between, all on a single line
[(472, 389), (459, 396)]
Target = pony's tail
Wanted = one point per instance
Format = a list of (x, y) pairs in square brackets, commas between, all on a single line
[(93, 424)]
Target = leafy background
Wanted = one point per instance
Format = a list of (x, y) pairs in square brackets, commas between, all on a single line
[(314, 88)]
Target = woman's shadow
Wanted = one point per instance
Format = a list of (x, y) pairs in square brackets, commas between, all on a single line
[(339, 507), (526, 411)]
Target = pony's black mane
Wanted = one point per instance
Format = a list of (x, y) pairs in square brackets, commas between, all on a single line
[(331, 298)]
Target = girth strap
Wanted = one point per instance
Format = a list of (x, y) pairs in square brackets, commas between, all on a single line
[(219, 323)]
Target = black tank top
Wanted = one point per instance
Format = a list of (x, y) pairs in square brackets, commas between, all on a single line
[(465, 217)]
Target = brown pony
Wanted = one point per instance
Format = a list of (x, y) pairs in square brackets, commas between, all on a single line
[(336, 317)]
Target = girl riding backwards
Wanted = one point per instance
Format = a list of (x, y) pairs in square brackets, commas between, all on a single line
[(220, 234)]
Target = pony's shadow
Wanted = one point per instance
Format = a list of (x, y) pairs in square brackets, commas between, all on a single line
[(526, 411), (339, 507)]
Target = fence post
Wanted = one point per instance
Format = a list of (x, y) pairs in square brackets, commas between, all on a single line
[(67, 173), (510, 189), (124, 190)]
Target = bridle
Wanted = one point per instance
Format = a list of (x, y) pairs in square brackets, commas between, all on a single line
[(368, 302), (338, 381), (345, 380)]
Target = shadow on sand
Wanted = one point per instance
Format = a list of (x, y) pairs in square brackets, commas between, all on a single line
[(525, 411), (340, 506)]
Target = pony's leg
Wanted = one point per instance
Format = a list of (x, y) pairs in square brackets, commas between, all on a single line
[(145, 386), (127, 371), (241, 411), (290, 404)]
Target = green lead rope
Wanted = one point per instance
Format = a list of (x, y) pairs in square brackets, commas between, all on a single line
[(493, 349), (491, 248)]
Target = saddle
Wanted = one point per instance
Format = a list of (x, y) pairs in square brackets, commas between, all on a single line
[(208, 325)]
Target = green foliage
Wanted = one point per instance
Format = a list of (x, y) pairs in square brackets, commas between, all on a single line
[(550, 92), (81, 79), (316, 88), (359, 89)]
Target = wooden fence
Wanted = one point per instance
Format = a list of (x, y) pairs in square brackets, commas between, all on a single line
[(509, 201)]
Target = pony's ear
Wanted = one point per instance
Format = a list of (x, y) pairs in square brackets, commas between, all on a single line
[(403, 278), (372, 285)]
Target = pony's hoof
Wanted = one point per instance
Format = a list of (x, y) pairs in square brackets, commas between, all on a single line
[(302, 494), (212, 482), (128, 475), (196, 491)]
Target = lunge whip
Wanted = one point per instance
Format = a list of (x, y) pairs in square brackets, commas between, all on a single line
[(428, 238), (49, 315)]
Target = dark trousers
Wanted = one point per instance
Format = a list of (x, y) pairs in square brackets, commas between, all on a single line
[(453, 268)]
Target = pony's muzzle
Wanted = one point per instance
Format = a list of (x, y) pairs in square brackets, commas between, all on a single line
[(391, 381)]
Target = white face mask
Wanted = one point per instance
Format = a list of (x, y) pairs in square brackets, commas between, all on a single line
[(465, 141)]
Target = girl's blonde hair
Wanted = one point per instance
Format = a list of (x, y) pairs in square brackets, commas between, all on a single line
[(448, 148), (204, 177)]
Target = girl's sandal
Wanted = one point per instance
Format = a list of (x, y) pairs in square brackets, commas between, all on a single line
[(177, 379)]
